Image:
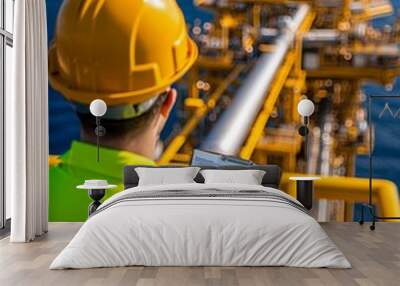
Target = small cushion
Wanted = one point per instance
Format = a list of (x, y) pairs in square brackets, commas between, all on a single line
[(163, 176), (248, 177)]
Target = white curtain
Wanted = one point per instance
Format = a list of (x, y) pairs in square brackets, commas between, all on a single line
[(27, 124)]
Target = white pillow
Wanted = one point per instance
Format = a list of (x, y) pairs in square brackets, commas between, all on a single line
[(248, 177), (166, 176)]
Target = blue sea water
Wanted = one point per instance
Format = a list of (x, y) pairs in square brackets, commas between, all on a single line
[(63, 123), (64, 126), (386, 156)]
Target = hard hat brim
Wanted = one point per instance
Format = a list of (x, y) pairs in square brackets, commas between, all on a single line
[(120, 98)]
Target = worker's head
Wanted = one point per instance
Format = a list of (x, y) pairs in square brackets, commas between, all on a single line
[(127, 53), (135, 127)]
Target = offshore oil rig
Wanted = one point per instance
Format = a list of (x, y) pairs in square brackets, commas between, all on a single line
[(258, 59)]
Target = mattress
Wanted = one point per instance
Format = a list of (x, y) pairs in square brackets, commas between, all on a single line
[(201, 225)]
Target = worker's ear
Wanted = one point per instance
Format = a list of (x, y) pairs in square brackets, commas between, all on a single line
[(168, 103)]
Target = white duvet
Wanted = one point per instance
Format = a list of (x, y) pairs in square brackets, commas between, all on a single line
[(188, 231)]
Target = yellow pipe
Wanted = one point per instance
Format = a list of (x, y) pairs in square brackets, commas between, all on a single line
[(352, 190), (346, 12), (383, 75)]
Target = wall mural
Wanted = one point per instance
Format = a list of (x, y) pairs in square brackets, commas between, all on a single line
[(251, 73)]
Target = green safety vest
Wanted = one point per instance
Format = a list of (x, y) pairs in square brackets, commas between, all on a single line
[(66, 202)]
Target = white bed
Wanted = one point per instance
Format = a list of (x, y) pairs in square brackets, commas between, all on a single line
[(201, 224)]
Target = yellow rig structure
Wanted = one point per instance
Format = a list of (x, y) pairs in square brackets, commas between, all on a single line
[(258, 58)]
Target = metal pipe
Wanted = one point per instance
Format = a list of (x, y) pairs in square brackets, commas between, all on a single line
[(232, 128), (321, 37), (200, 112)]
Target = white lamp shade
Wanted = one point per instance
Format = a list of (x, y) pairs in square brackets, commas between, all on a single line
[(98, 107), (305, 107)]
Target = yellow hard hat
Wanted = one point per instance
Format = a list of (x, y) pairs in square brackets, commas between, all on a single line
[(123, 52)]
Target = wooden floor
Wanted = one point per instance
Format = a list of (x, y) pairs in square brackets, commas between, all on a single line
[(375, 257)]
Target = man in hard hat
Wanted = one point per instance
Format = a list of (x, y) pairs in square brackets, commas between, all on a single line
[(127, 53)]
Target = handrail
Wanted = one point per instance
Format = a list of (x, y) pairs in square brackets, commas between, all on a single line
[(352, 190)]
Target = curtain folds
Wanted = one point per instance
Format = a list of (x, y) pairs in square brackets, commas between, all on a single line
[(27, 124)]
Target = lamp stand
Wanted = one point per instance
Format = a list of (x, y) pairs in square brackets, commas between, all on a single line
[(99, 131), (303, 131)]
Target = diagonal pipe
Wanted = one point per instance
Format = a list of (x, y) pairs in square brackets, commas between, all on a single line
[(231, 130)]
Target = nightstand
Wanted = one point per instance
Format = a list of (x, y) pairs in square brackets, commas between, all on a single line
[(96, 190), (305, 190)]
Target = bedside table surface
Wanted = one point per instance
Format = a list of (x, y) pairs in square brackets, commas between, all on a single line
[(82, 187), (305, 178)]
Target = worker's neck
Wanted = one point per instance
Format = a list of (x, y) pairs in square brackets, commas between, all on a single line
[(143, 145)]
